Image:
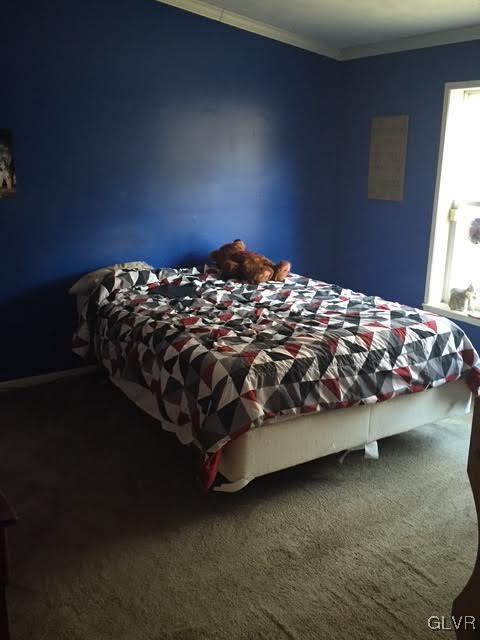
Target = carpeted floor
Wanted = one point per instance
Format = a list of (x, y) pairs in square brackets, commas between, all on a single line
[(117, 542)]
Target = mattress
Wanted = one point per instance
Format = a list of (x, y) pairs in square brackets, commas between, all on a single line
[(212, 358)]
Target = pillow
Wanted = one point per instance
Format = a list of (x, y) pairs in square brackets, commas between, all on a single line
[(90, 281)]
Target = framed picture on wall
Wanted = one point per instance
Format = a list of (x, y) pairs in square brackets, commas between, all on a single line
[(8, 181)]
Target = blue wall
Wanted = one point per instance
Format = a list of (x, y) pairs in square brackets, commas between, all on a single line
[(382, 247), (144, 132)]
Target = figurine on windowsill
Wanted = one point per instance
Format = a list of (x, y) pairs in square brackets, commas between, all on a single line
[(462, 299), (474, 231)]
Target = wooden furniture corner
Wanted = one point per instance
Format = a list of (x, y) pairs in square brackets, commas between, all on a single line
[(7, 518), (466, 607)]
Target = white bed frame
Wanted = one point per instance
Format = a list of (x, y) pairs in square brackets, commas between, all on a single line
[(281, 444)]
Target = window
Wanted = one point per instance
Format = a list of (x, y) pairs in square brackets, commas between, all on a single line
[(453, 280)]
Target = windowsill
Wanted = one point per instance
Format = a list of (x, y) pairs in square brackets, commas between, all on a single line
[(443, 309)]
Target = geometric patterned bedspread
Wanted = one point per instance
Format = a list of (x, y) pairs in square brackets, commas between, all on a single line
[(212, 358)]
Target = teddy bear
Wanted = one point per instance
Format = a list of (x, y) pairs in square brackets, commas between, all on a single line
[(236, 262)]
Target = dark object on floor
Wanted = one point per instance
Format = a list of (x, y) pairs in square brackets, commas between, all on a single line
[(467, 604), (7, 518)]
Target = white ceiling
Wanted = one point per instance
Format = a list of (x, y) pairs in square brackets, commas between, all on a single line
[(346, 28)]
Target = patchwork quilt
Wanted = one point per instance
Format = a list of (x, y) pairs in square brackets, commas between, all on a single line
[(212, 358)]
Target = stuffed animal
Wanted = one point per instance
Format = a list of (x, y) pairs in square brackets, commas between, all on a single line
[(236, 262)]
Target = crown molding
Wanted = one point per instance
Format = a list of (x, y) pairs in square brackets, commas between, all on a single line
[(424, 41), (218, 14), (197, 6), (254, 26)]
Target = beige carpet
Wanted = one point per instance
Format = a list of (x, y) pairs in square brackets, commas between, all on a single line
[(116, 541)]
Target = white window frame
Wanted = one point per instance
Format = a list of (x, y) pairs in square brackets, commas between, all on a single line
[(441, 239)]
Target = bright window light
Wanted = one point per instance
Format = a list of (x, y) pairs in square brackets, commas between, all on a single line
[(454, 260)]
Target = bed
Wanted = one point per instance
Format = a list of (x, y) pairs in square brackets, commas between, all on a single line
[(263, 377)]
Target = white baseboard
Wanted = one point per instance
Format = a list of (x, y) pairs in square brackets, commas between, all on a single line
[(33, 381)]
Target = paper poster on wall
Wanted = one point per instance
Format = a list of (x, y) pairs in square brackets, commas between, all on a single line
[(388, 152), (7, 165)]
